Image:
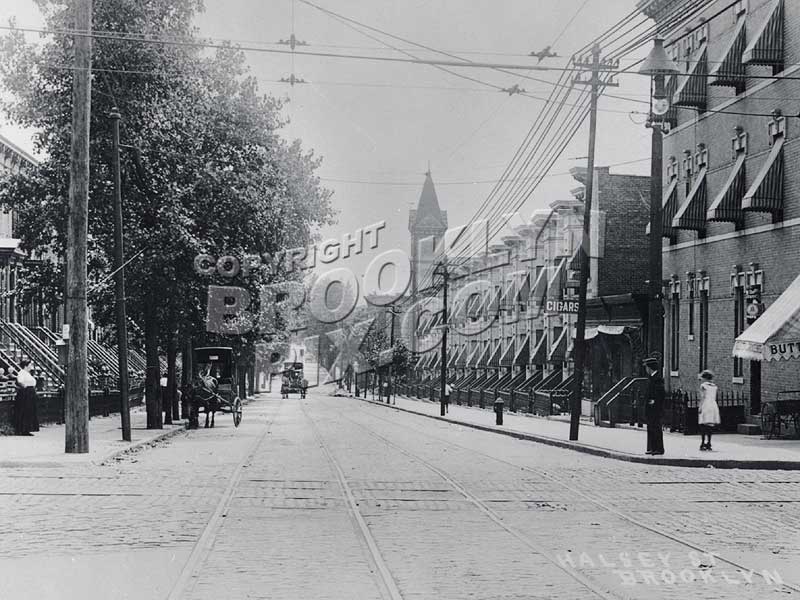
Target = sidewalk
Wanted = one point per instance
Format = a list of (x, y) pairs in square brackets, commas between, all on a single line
[(730, 450), (46, 448)]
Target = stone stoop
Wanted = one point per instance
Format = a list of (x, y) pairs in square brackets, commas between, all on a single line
[(749, 428)]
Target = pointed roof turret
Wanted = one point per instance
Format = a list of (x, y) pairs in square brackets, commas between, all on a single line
[(428, 214)]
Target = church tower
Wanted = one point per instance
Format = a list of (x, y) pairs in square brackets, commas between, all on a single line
[(427, 224)]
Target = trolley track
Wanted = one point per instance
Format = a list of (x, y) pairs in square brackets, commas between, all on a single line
[(786, 587), (591, 586), (205, 542), (388, 584)]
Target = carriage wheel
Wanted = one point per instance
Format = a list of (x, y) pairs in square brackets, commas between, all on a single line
[(237, 411)]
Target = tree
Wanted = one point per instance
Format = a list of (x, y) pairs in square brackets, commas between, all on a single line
[(209, 172)]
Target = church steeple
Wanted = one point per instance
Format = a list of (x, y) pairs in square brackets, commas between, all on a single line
[(427, 225)]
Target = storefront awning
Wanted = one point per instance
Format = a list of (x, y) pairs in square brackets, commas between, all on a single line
[(507, 358), (479, 357), (593, 332), (453, 356), (436, 361), (539, 355), (524, 288), (766, 47), (386, 357), (559, 350), (509, 297), (523, 353), (730, 71), (727, 206), (692, 214), (766, 193), (461, 359), (776, 333), (692, 89)]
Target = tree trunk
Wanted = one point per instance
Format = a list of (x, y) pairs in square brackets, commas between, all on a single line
[(186, 371), (251, 380), (171, 407), (152, 375)]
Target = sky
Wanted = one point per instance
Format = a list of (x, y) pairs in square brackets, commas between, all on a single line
[(380, 126)]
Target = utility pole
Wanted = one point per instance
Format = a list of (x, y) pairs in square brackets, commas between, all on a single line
[(392, 310), (443, 367), (76, 388), (119, 261), (596, 67)]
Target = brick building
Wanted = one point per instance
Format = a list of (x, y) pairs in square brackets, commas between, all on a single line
[(508, 331), (731, 199)]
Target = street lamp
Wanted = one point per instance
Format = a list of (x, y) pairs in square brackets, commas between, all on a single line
[(658, 65)]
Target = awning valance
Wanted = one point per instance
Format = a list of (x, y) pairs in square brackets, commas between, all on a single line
[(539, 355), (766, 192), (494, 360), (692, 214), (507, 359), (522, 356), (559, 350), (766, 47), (727, 206), (776, 333), (730, 71), (593, 332), (692, 89)]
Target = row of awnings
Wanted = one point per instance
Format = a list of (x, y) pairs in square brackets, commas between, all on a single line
[(765, 194)]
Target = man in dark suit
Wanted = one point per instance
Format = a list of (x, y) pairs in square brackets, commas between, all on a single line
[(655, 404)]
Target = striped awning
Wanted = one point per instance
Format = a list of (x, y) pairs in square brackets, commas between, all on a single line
[(766, 47), (692, 213), (522, 356), (559, 350), (539, 355), (766, 192), (461, 359), (507, 359), (437, 359), (776, 334), (494, 360), (576, 260), (539, 289), (479, 357), (453, 356), (493, 304), (669, 206), (727, 206), (472, 306), (692, 90), (555, 283), (670, 87), (730, 71), (472, 360), (524, 288), (509, 296)]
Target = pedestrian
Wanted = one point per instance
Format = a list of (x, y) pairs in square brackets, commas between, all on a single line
[(285, 385), (655, 404), (304, 387), (708, 410), (446, 401), (26, 419), (386, 391)]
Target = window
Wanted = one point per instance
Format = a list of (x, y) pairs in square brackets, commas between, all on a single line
[(675, 337), (703, 330), (738, 327)]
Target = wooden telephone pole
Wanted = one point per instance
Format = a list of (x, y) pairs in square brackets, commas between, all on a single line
[(76, 388), (595, 67)]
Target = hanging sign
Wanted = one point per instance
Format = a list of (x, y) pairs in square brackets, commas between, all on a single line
[(562, 307)]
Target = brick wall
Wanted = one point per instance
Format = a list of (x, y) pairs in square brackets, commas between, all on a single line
[(625, 201)]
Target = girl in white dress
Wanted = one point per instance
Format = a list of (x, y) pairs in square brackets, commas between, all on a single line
[(708, 410)]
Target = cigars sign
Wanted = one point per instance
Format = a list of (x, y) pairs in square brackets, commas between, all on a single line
[(561, 307)]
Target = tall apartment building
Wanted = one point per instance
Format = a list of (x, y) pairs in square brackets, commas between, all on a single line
[(731, 204)]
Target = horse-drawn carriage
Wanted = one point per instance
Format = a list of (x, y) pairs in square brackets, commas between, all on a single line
[(214, 385)]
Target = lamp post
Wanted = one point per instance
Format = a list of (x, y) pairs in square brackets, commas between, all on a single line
[(658, 65)]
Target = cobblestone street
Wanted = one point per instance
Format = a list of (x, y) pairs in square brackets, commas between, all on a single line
[(338, 498)]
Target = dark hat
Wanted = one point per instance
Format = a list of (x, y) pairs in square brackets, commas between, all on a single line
[(707, 375), (651, 362)]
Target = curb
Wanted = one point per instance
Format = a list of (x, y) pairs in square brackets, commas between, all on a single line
[(762, 465), (135, 446)]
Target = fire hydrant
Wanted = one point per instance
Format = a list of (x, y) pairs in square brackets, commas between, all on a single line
[(498, 412)]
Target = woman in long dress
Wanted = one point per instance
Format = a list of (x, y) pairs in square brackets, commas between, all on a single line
[(708, 410), (26, 419)]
